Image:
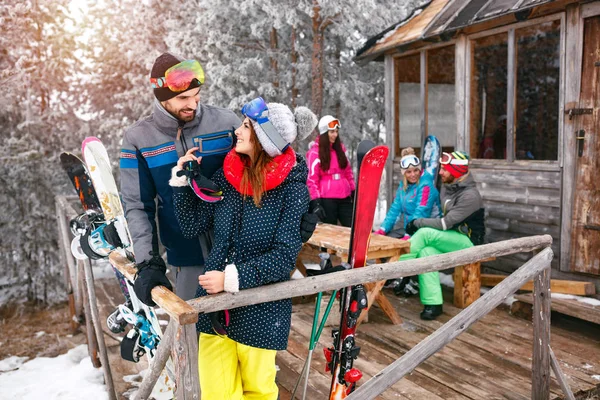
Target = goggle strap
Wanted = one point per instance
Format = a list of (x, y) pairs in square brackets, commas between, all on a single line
[(272, 134)]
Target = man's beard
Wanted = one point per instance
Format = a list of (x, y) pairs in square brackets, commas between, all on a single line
[(185, 119)]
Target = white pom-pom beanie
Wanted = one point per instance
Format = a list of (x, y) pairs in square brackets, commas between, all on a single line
[(290, 126)]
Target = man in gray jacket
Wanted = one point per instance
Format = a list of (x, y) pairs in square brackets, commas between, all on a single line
[(460, 227), (151, 147)]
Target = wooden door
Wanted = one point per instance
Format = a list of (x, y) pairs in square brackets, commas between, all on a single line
[(585, 236)]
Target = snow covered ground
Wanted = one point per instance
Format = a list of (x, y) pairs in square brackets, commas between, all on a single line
[(69, 376)]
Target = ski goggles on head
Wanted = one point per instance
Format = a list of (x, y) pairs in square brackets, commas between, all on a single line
[(334, 124), (258, 111), (180, 76), (448, 158), (409, 160)]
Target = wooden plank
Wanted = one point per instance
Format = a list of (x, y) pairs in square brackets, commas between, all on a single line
[(185, 359), (451, 329), (556, 286), (177, 309), (518, 178), (541, 336), (520, 227), (467, 284), (424, 95), (522, 195), (91, 294), (511, 97), (369, 362), (585, 237), (560, 377), (458, 366), (500, 335), (460, 70), (574, 39), (574, 308), (90, 333), (373, 273), (390, 110), (517, 165), (523, 212)]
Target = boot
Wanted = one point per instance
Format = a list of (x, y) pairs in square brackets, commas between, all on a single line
[(115, 321), (430, 313)]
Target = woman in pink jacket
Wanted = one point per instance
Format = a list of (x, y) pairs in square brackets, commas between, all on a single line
[(330, 178)]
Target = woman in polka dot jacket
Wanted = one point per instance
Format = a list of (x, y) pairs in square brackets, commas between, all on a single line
[(257, 240)]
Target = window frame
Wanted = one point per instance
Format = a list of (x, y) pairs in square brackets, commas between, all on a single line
[(512, 89), (424, 87)]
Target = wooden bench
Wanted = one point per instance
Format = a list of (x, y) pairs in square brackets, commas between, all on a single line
[(336, 240)]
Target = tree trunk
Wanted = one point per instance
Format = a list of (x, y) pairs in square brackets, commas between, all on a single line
[(338, 59), (294, 58), (274, 67), (317, 60)]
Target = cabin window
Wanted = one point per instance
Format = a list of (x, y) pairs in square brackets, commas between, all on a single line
[(408, 97), (514, 93), (538, 78), (489, 83), (441, 96), (437, 116)]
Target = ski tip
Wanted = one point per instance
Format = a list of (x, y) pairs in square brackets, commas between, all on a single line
[(87, 141)]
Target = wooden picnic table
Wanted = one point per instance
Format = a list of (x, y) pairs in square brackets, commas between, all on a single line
[(336, 240)]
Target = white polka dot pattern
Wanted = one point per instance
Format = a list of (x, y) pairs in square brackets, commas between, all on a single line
[(263, 243)]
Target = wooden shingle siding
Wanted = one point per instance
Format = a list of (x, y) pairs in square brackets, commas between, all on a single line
[(520, 200)]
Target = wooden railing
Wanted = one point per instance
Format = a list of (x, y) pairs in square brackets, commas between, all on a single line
[(180, 339)]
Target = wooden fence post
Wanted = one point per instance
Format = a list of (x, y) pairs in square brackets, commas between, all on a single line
[(540, 385), (451, 329), (185, 357), (92, 342), (110, 387), (73, 293)]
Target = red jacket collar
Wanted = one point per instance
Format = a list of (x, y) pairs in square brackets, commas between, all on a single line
[(277, 170)]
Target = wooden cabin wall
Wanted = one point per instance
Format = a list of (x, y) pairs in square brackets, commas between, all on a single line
[(520, 200)]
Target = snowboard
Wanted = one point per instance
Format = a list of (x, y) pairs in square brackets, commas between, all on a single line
[(353, 300), (430, 159), (145, 335), (78, 174)]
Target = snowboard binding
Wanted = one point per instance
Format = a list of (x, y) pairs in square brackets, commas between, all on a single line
[(140, 338), (94, 237)]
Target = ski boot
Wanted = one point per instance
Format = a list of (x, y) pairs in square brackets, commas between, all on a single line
[(115, 321), (407, 287)]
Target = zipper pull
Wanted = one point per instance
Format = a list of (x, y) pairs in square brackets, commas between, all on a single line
[(179, 130)]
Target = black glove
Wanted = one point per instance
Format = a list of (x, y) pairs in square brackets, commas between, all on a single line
[(352, 194), (150, 273), (307, 226), (315, 207), (411, 228), (316, 272)]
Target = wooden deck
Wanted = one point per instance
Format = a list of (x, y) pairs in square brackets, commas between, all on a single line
[(491, 360)]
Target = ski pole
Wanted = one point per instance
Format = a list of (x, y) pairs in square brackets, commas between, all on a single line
[(314, 339)]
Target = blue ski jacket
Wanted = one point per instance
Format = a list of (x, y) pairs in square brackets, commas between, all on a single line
[(151, 147), (419, 200), (262, 242)]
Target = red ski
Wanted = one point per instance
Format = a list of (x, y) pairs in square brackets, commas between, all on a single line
[(353, 299)]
